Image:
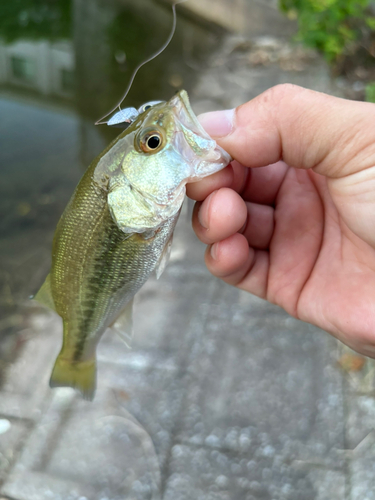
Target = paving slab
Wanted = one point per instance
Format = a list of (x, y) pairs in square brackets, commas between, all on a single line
[(25, 390), (82, 449), (360, 424), (95, 450), (201, 473), (328, 484), (12, 433), (245, 68), (264, 384), (362, 470)]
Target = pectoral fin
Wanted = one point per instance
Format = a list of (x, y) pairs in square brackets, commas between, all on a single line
[(123, 325), (44, 295), (164, 258)]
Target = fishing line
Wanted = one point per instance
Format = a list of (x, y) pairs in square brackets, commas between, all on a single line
[(164, 46)]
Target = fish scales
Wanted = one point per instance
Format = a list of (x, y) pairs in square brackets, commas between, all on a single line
[(117, 228), (100, 264)]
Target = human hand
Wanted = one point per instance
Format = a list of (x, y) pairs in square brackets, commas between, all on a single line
[(300, 232)]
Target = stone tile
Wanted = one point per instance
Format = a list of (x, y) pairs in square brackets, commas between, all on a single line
[(41, 340), (360, 381), (328, 484), (362, 471), (151, 396), (360, 420), (12, 433), (238, 80), (39, 486), (114, 447), (25, 391), (203, 474), (264, 385)]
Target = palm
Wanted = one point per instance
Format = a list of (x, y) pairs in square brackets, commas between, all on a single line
[(320, 271), (295, 250)]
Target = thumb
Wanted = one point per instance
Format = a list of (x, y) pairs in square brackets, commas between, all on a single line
[(306, 129)]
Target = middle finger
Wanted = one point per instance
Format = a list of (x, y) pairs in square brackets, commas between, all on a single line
[(224, 213)]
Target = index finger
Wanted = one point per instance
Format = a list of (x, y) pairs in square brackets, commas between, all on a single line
[(306, 129)]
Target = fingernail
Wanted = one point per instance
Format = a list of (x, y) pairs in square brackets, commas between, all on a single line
[(213, 251), (203, 212), (217, 123)]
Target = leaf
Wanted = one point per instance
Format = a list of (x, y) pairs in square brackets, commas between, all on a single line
[(370, 92), (331, 26), (352, 362)]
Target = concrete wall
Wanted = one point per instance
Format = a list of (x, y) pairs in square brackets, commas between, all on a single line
[(231, 14), (44, 65), (247, 17)]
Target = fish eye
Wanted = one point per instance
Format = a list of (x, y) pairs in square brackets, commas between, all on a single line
[(150, 141), (153, 142)]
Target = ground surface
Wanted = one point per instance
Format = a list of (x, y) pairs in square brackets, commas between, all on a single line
[(222, 397)]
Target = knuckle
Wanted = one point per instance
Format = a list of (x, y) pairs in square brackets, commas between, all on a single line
[(282, 91)]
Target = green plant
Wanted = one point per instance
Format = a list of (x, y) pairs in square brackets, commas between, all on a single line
[(331, 26), (370, 92)]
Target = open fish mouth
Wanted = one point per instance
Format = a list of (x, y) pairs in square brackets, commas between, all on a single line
[(187, 117), (203, 151)]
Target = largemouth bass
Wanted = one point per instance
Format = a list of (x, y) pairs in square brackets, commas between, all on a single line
[(117, 229)]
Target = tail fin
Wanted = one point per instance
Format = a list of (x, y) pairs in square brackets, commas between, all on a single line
[(80, 375)]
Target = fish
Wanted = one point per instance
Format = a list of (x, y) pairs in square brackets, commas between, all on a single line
[(117, 229)]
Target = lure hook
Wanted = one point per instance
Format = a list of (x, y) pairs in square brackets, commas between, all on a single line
[(164, 46)]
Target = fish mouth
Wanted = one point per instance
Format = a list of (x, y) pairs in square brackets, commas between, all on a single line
[(201, 151), (188, 118)]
